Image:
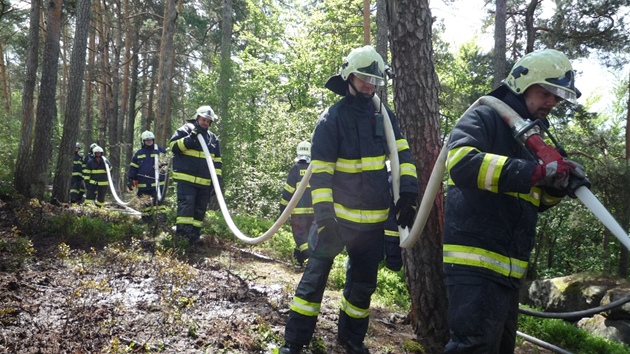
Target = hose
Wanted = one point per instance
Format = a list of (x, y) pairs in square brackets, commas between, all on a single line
[(395, 167), (113, 190), (575, 315), (430, 192), (226, 214), (542, 343), (156, 168)]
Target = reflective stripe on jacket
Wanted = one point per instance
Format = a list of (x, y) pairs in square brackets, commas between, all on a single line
[(491, 209), (189, 164), (142, 167), (349, 179), (305, 204)]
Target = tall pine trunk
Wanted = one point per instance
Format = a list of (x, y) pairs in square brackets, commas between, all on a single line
[(65, 160), (416, 101), (46, 105), (22, 178)]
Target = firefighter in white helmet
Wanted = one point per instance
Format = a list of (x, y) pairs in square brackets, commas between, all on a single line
[(190, 170), (351, 202), (302, 215), (95, 177), (496, 190), (141, 175)]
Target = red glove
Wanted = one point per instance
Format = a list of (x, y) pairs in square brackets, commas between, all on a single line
[(553, 174)]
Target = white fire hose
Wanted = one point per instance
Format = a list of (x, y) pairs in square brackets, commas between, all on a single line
[(583, 193), (395, 168), (111, 187)]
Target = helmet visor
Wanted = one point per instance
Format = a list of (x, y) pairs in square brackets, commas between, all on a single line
[(561, 92), (373, 80)]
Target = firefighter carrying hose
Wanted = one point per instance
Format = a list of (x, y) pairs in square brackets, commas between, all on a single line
[(141, 175), (302, 216), (190, 170), (351, 200), (495, 191)]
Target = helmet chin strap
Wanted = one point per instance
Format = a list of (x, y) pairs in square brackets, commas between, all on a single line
[(360, 94)]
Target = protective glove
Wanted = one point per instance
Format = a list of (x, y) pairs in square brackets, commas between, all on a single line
[(406, 209), (131, 184), (327, 228), (393, 255), (577, 179), (191, 141), (553, 174)]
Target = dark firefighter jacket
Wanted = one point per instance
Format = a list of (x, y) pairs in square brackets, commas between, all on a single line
[(305, 204), (491, 210), (142, 167), (95, 172), (349, 179), (189, 162), (77, 167)]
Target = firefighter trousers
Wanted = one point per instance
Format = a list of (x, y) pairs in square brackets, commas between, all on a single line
[(482, 316), (192, 203), (365, 250)]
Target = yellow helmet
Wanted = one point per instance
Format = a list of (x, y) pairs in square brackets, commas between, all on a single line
[(548, 68), (363, 62)]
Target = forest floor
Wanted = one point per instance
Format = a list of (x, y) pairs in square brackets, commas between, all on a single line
[(212, 298)]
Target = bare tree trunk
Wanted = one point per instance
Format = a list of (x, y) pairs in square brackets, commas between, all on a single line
[(623, 257), (124, 104), (22, 178), (133, 91), (499, 63), (6, 94), (115, 120), (529, 25), (46, 105), (226, 61), (65, 161), (366, 22), (165, 72), (381, 37), (88, 137), (416, 99)]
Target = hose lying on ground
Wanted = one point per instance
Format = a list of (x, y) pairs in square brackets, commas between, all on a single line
[(575, 315)]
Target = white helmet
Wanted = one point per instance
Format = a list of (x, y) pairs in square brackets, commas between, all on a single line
[(304, 148), (206, 112), (97, 149), (147, 135), (365, 63)]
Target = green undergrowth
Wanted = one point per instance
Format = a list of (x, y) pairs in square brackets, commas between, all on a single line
[(564, 335)]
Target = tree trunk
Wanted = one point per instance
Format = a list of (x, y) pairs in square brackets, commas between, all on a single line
[(165, 71), (22, 178), (381, 38), (65, 160), (416, 100), (46, 105), (226, 60), (133, 92), (6, 94), (125, 134), (88, 137), (529, 25), (499, 63), (623, 257), (366, 22)]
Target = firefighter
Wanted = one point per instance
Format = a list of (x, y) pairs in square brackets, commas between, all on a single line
[(141, 175), (302, 215), (76, 182), (190, 170), (351, 201), (495, 191), (95, 177)]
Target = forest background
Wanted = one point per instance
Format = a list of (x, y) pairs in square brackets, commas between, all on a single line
[(104, 71)]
